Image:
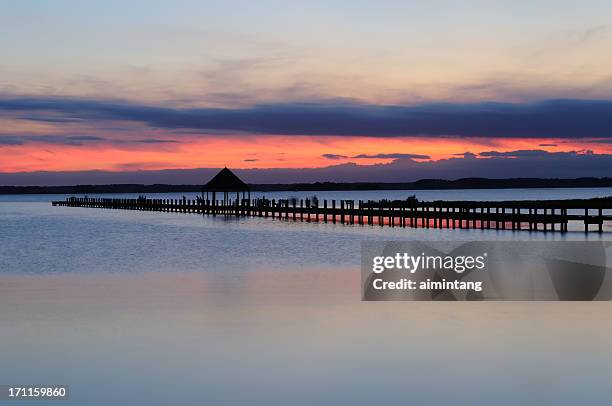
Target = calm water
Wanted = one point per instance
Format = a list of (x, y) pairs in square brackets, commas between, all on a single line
[(164, 308)]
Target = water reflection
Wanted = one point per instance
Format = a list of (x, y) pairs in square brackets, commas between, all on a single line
[(283, 337), (163, 308)]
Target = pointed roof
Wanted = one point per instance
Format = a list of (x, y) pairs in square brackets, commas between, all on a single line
[(226, 181)]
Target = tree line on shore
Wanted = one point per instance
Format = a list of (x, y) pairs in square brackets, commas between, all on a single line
[(424, 184)]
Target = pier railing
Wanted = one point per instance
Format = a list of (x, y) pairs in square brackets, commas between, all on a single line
[(536, 215)]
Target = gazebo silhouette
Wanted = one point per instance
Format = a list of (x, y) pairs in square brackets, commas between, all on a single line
[(227, 182)]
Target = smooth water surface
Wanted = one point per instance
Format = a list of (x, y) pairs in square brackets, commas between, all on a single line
[(146, 308)]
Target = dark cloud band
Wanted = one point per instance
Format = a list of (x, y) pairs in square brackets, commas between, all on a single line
[(552, 118), (74, 140)]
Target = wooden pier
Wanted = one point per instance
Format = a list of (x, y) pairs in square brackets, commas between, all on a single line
[(537, 215)]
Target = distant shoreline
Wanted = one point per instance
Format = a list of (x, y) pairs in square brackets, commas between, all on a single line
[(425, 184)]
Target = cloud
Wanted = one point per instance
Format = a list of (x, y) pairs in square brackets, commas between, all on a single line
[(602, 141), (579, 37), (334, 156), (49, 139), (552, 118), (376, 156), (150, 141), (547, 145), (392, 156), (74, 140), (571, 164), (514, 154), (50, 119), (138, 166), (10, 140), (528, 153), (251, 160)]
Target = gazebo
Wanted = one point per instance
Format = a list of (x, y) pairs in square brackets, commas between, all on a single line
[(227, 182)]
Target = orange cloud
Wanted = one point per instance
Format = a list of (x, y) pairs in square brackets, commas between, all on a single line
[(254, 152)]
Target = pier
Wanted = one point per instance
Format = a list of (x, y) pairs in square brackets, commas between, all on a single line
[(530, 215)]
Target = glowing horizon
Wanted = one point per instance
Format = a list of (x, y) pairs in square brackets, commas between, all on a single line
[(147, 86)]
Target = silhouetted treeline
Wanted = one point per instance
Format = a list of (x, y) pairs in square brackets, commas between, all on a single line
[(466, 183), (425, 184)]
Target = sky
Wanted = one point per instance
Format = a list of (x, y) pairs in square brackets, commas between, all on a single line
[(109, 91)]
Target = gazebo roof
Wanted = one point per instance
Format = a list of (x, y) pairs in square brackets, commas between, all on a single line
[(226, 181)]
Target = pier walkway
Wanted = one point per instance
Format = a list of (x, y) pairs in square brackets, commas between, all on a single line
[(536, 215)]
